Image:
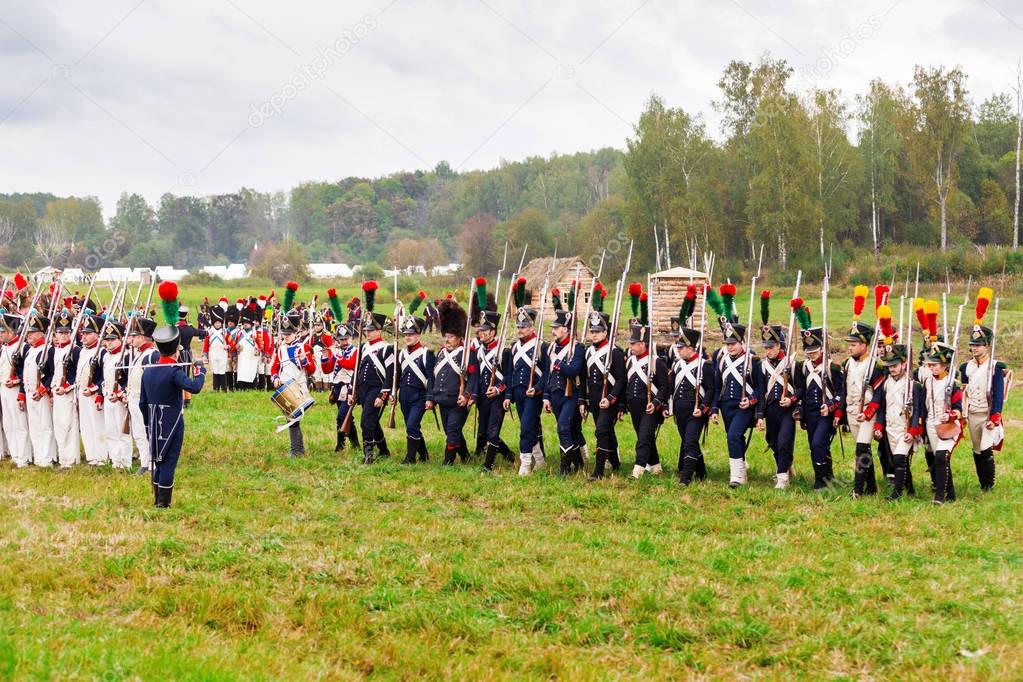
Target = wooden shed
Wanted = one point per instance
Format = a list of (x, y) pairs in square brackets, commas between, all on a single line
[(669, 288), (562, 272)]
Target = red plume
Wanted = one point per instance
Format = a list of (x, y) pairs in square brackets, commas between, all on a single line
[(422, 295), (635, 289), (292, 286), (796, 303), (481, 281), (765, 294), (728, 289), (370, 286), (643, 296), (19, 281), (555, 292), (331, 293), (881, 292), (690, 292), (168, 291)]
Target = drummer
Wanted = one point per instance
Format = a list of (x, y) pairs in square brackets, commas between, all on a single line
[(293, 361)]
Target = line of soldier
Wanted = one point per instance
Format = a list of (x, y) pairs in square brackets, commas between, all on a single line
[(71, 380), (685, 383)]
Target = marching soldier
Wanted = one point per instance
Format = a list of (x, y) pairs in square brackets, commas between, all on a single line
[(161, 401), (603, 387), (861, 375), (896, 407), (567, 361), (775, 403), (339, 366), (643, 401), (489, 408), (983, 382), (943, 410), (90, 418), (65, 413), (12, 396), (692, 390), (416, 363), (111, 380), (36, 379), (293, 361), (216, 347), (525, 381), (735, 395), (455, 381), (818, 384), (375, 375), (141, 355)]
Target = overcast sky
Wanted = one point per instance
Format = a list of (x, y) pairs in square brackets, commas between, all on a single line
[(206, 96)]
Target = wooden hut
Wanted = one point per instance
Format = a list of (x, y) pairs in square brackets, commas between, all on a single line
[(669, 288), (562, 272)]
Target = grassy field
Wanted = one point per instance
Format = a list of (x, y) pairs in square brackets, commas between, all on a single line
[(271, 568)]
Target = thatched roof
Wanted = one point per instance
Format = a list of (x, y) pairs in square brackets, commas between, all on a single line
[(563, 271), (681, 273)]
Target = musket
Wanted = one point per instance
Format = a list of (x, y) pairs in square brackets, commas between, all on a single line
[(748, 360), (42, 358), (617, 312), (504, 264), (651, 347), (75, 329), (16, 355), (465, 341), (149, 297), (907, 406), (825, 350), (788, 339), (991, 356), (346, 424), (952, 361), (498, 358), (3, 292), (539, 325), (589, 301), (703, 330), (398, 309), (570, 384)]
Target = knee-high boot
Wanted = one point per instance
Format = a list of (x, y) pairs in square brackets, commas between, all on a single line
[(901, 466)]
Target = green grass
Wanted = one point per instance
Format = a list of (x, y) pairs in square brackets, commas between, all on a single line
[(291, 569), (270, 568)]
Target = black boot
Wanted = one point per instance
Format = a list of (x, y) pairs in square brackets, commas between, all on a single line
[(353, 437), (367, 453), (941, 478), (382, 449), (297, 442), (929, 456), (423, 455), (490, 453), (163, 496), (340, 441), (156, 494), (566, 463), (598, 468), (463, 452), (505, 451), (450, 451), (701, 468), (901, 466), (818, 475), (987, 472), (411, 449)]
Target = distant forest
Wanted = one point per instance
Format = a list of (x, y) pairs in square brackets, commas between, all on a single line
[(927, 166)]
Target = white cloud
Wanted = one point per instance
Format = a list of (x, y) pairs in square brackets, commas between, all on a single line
[(166, 96)]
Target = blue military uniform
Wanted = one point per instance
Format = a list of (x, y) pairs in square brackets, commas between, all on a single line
[(490, 410), (638, 394), (818, 387), (339, 364), (692, 391), (734, 381), (415, 384), (604, 379), (375, 376), (567, 362), (520, 373), (162, 406), (773, 383)]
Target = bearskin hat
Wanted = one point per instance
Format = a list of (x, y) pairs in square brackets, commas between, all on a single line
[(452, 317)]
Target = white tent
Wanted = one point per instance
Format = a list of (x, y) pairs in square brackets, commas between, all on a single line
[(330, 271), (227, 272)]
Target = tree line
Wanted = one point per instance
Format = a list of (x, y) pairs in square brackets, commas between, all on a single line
[(802, 172)]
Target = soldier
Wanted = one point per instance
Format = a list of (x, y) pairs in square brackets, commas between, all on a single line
[(111, 380), (644, 401), (455, 381), (293, 361), (141, 355), (861, 375), (161, 402), (216, 347), (896, 407), (65, 413), (90, 418), (567, 361), (491, 387), (775, 403), (818, 384), (692, 391), (38, 370), (525, 380), (603, 385), (943, 406), (264, 344), (339, 366), (416, 363), (735, 395), (374, 380), (320, 340), (983, 382), (247, 348), (12, 396)]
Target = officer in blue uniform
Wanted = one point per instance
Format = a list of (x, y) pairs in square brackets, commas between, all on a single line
[(692, 378), (416, 364), (818, 385), (735, 396), (602, 391), (775, 402), (491, 387), (455, 380), (567, 362), (375, 377), (162, 408), (525, 381)]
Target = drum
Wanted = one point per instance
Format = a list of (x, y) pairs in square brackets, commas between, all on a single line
[(293, 399)]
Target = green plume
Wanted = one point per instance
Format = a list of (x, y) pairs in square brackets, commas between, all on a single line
[(335, 305), (556, 299), (481, 293), (597, 300), (715, 303), (803, 317), (571, 296)]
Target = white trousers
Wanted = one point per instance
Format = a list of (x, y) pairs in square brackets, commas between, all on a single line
[(118, 443), (40, 430), (94, 436), (65, 429), (15, 427), (138, 431)]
